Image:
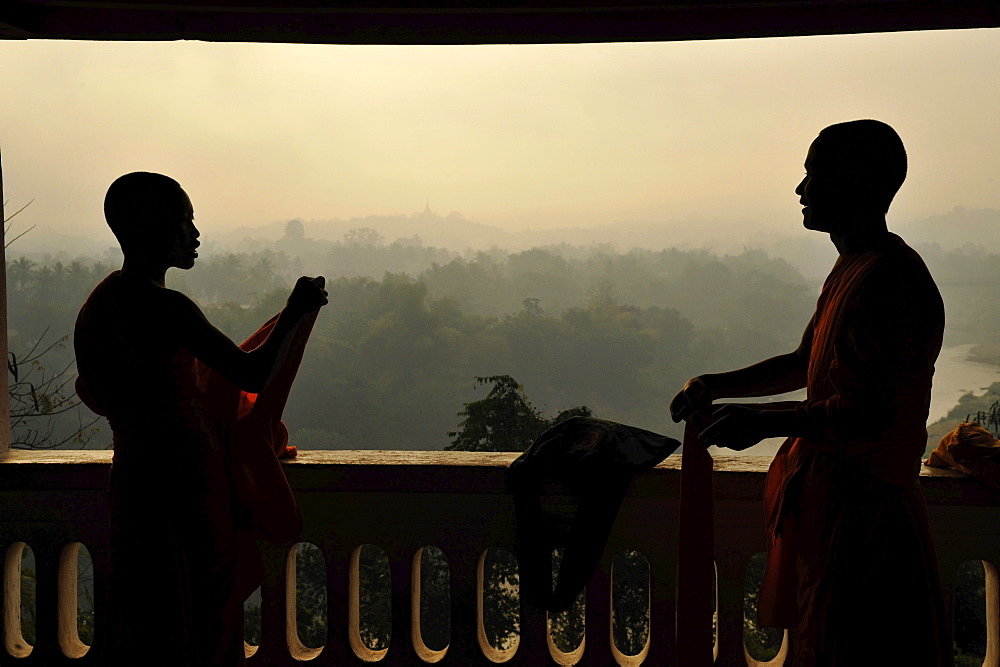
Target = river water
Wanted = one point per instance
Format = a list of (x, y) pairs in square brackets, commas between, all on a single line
[(954, 376)]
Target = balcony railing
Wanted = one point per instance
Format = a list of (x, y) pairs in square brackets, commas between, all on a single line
[(459, 503)]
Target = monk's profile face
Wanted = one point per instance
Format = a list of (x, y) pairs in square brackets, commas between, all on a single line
[(823, 192), (181, 238), (168, 237)]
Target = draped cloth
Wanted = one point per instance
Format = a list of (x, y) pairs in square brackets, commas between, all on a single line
[(195, 480), (850, 561), (595, 460), (972, 450), (695, 550)]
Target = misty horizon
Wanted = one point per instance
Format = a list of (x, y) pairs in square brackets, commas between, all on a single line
[(538, 137), (810, 252)]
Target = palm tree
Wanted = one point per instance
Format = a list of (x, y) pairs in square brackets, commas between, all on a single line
[(58, 273), (21, 272), (44, 280)]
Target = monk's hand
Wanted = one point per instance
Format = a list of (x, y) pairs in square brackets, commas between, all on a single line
[(694, 397), (308, 294), (736, 427)]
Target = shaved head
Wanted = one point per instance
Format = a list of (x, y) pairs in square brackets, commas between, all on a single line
[(137, 204), (866, 153)]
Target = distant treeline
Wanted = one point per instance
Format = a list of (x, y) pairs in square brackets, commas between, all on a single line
[(396, 353)]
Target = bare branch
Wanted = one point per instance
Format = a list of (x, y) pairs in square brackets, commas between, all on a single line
[(7, 244), (11, 216)]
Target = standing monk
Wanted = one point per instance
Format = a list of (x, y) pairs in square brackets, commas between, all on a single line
[(850, 563), (151, 363)]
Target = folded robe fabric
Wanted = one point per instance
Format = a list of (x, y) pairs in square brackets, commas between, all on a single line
[(257, 438), (971, 449), (595, 460)]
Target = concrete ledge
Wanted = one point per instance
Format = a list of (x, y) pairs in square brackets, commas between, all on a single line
[(736, 477)]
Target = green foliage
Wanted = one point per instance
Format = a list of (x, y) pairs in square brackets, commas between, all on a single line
[(630, 621), (28, 597), (762, 643), (251, 619), (375, 619), (566, 628), (504, 421), (390, 357), (435, 599), (310, 595), (501, 598), (363, 237), (968, 660), (970, 611), (310, 600), (85, 596)]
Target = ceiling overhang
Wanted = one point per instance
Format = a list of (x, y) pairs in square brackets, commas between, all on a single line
[(477, 22)]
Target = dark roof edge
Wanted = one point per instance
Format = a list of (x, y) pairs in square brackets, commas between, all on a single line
[(482, 23)]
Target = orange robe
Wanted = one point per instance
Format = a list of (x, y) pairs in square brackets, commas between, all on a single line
[(850, 560), (195, 479)]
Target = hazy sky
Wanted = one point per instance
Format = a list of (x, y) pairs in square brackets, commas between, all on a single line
[(518, 136)]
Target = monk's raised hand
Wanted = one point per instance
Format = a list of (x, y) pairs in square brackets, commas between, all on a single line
[(308, 294), (694, 397), (735, 427)]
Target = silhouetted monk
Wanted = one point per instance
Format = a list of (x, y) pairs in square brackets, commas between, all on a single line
[(850, 561), (189, 411)]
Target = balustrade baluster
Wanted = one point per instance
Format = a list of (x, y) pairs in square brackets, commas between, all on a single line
[(463, 649), (662, 593), (533, 649), (337, 552), (598, 614), (992, 613), (731, 582), (400, 554), (273, 646), (47, 550), (97, 544)]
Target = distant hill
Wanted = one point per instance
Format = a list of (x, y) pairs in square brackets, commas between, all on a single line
[(811, 253), (456, 232), (453, 231), (958, 227)]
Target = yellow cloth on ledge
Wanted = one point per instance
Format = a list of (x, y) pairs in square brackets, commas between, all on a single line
[(971, 449)]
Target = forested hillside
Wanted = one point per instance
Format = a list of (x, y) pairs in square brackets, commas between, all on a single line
[(395, 355)]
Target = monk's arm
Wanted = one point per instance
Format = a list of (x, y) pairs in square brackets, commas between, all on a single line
[(777, 375), (881, 380), (250, 371)]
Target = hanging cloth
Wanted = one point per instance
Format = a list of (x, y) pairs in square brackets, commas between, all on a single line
[(594, 460)]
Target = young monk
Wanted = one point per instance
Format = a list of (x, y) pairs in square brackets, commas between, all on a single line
[(850, 564), (151, 363)]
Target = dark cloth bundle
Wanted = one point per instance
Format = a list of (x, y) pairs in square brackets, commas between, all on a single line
[(595, 460)]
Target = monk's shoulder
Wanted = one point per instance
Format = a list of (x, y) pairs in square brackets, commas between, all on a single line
[(899, 264), (900, 281), (171, 298)]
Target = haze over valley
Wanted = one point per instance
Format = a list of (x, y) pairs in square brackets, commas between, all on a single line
[(598, 222)]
